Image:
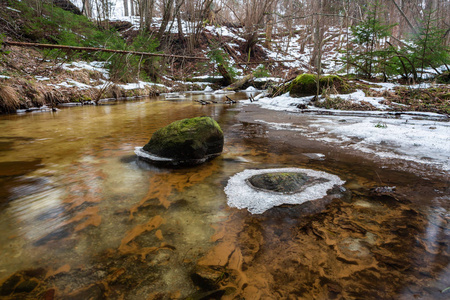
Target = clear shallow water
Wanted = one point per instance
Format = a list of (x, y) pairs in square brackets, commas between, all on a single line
[(81, 217)]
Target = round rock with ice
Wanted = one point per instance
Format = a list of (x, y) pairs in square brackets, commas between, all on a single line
[(260, 190), (184, 142)]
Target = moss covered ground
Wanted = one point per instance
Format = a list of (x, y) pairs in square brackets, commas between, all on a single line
[(306, 85)]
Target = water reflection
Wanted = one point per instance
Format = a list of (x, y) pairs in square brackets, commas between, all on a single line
[(85, 219)]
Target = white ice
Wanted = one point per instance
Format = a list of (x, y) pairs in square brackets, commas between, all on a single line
[(241, 195)]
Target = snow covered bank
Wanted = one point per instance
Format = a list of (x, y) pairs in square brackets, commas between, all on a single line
[(411, 136)]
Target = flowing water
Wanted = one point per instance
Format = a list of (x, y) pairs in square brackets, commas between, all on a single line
[(82, 218)]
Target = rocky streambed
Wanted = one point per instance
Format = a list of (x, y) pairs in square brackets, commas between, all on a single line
[(87, 219)]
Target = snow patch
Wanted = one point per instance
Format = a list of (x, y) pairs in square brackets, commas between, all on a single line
[(422, 141), (139, 85), (41, 78), (241, 195), (91, 66), (359, 97), (251, 89), (13, 9)]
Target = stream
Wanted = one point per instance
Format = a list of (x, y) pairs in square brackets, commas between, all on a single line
[(82, 218)]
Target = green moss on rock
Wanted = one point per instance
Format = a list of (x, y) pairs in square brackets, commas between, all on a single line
[(193, 138), (306, 85)]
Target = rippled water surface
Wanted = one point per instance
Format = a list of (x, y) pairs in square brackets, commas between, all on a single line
[(82, 218)]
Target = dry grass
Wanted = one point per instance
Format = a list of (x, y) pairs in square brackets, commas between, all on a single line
[(9, 99), (343, 104)]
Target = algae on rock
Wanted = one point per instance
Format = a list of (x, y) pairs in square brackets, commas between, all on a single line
[(187, 139)]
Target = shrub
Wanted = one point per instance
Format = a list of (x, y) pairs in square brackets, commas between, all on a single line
[(261, 71), (221, 59), (129, 68)]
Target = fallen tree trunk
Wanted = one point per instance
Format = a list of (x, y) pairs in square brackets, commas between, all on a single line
[(93, 49), (238, 84), (265, 62), (226, 76)]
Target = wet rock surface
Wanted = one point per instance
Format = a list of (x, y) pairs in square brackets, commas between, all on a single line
[(280, 182), (187, 141)]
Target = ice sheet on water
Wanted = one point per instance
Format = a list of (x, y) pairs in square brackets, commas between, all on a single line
[(241, 195), (139, 151)]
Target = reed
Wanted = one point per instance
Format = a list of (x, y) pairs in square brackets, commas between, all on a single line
[(9, 99)]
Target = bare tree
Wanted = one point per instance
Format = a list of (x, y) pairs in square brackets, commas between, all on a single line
[(125, 7), (146, 13), (87, 8)]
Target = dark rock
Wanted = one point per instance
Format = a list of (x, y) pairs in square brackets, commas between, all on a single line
[(26, 286), (279, 182), (8, 286), (187, 141), (208, 277), (283, 182)]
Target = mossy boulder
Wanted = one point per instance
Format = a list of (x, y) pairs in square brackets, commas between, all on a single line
[(187, 141), (306, 85)]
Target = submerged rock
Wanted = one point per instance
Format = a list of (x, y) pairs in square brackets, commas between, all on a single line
[(208, 277), (184, 142)]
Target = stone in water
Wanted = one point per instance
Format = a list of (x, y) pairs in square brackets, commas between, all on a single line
[(280, 182)]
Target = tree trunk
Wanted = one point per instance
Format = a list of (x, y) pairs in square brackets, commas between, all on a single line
[(179, 23), (318, 44), (93, 49), (405, 17), (226, 76), (148, 13), (238, 84), (269, 29), (125, 8), (167, 14), (87, 8)]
